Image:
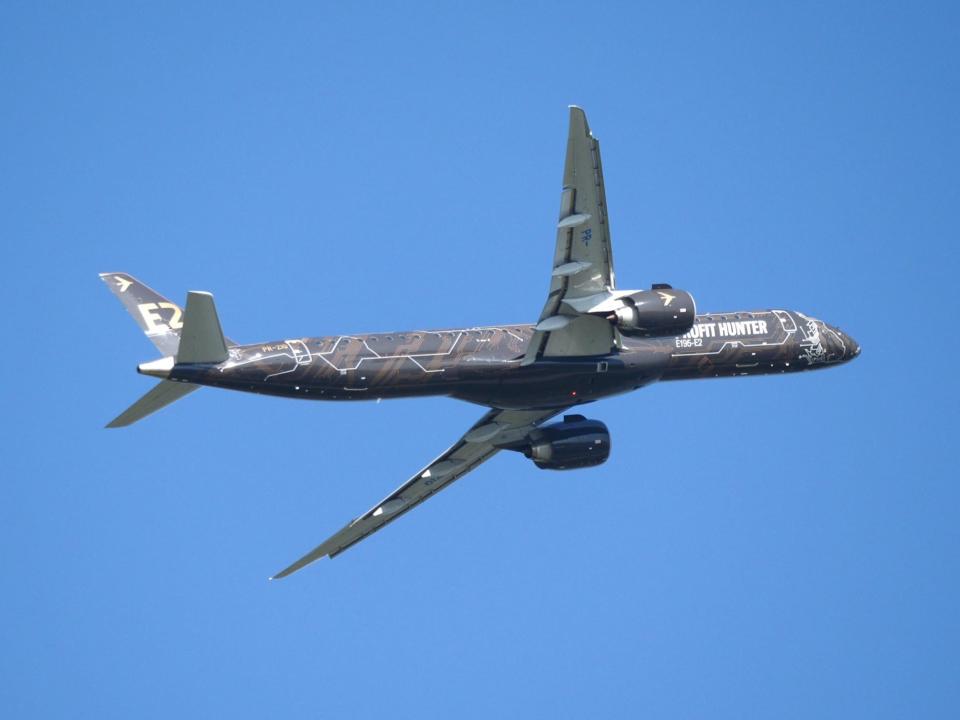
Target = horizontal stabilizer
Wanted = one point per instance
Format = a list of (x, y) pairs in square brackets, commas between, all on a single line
[(160, 396), (201, 339)]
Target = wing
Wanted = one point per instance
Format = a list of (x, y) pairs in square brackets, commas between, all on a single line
[(479, 444), (583, 261)]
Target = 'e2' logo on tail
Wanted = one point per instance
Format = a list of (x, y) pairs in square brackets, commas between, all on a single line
[(154, 321)]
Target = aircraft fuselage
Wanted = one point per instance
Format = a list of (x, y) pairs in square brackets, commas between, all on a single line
[(483, 364)]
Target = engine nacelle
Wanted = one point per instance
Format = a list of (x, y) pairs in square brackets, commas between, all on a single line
[(660, 311), (575, 442)]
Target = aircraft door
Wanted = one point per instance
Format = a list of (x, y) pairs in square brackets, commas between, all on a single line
[(786, 321), (301, 353)]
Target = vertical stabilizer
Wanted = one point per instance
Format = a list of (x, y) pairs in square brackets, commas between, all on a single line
[(192, 335), (160, 319)]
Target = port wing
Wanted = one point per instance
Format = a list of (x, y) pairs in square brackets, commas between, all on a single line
[(583, 259), (478, 445)]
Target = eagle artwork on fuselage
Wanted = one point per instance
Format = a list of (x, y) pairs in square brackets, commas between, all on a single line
[(591, 341)]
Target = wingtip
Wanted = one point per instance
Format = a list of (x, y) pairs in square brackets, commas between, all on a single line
[(578, 121), (283, 573), (308, 559)]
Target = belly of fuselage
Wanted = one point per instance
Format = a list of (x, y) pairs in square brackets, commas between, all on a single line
[(562, 382)]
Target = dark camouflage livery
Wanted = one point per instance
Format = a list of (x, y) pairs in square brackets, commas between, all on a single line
[(483, 365), (591, 341)]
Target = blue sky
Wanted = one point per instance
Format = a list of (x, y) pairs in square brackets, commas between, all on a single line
[(766, 547)]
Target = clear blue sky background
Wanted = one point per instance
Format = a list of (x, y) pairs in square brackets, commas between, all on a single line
[(774, 547)]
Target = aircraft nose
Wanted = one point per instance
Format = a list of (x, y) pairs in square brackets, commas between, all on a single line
[(849, 348), (855, 348)]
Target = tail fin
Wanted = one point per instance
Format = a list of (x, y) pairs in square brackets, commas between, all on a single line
[(160, 319), (191, 336)]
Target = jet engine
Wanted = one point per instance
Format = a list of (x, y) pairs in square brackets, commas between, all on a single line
[(660, 311), (575, 442)]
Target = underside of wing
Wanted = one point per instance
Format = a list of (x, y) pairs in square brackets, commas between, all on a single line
[(480, 443), (583, 259)]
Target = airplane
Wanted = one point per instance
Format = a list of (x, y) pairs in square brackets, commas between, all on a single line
[(592, 340)]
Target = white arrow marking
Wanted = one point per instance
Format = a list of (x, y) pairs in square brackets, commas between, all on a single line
[(666, 297)]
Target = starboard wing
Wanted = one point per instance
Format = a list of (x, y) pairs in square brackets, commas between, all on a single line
[(477, 446), (583, 259)]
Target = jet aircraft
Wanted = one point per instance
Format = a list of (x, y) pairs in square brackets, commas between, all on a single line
[(591, 340)]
